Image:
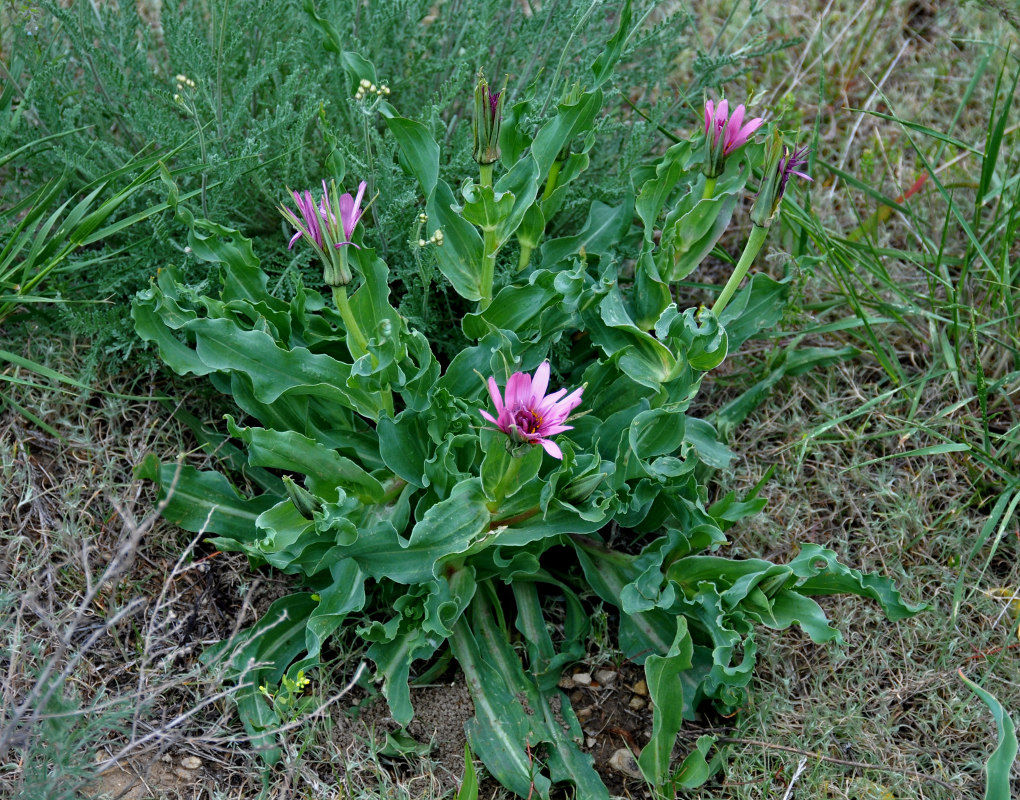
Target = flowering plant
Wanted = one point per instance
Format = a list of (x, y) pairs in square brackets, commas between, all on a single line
[(529, 416), (370, 480), (724, 134)]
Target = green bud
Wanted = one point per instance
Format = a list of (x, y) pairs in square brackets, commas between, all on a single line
[(488, 116), (304, 501), (582, 487), (767, 202)]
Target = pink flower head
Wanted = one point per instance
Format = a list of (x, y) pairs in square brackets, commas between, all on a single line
[(350, 210), (790, 164), (315, 219), (527, 414), (310, 217), (734, 131)]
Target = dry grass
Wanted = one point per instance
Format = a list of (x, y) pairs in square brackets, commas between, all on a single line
[(105, 610)]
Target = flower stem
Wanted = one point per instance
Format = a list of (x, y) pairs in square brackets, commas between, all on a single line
[(507, 481), (709, 188), (357, 343), (485, 174), (354, 333), (754, 244), (489, 248)]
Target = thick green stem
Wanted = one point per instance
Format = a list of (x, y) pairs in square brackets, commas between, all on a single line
[(505, 483), (357, 344), (489, 248), (754, 244), (485, 174), (709, 188)]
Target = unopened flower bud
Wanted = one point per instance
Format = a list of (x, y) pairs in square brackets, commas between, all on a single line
[(488, 117), (304, 501)]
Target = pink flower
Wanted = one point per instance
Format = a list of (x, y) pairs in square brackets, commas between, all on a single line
[(527, 414), (733, 130), (724, 134), (327, 227), (314, 218)]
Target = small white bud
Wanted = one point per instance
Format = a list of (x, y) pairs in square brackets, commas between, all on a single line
[(422, 243), (365, 83)]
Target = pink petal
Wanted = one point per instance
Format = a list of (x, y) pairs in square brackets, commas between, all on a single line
[(488, 416), (750, 127), (494, 394), (350, 212), (293, 240), (540, 382), (709, 115), (572, 400), (518, 390), (722, 113), (733, 124), (551, 448), (346, 209)]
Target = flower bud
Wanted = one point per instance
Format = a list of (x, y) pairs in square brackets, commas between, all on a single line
[(304, 501), (488, 116), (780, 163), (581, 488)]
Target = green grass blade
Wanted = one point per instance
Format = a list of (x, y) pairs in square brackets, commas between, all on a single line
[(1000, 762)]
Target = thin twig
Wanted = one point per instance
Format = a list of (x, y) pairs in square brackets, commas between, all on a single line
[(842, 762)]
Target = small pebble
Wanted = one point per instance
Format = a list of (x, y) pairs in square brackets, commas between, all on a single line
[(590, 741), (582, 678), (606, 677), (636, 703), (640, 688), (623, 761), (191, 762)]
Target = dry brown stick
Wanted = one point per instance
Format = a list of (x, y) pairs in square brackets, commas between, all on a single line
[(843, 762)]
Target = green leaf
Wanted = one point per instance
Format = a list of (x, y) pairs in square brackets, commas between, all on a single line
[(260, 655), (331, 41), (998, 784), (483, 208), (662, 674), (504, 473), (824, 575), (346, 594), (460, 256), (326, 469), (205, 501), (568, 122), (469, 784), (756, 307), (403, 445), (607, 60), (659, 431), (603, 229)]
